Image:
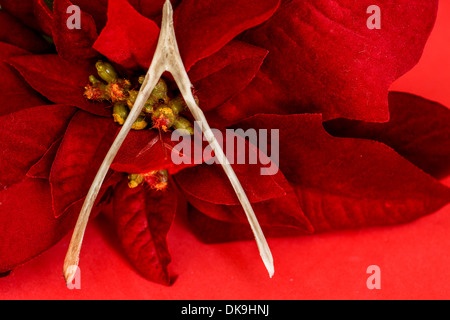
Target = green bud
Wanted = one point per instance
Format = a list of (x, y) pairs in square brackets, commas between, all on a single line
[(184, 126), (159, 94), (140, 124), (120, 113), (135, 180), (132, 96), (106, 71), (148, 108), (177, 105), (94, 80)]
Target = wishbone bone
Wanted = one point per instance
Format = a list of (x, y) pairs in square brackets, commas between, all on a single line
[(166, 58)]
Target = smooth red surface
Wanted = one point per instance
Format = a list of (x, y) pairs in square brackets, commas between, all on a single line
[(413, 258)]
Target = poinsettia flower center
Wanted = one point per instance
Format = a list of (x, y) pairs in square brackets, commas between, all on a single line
[(162, 111), (157, 180)]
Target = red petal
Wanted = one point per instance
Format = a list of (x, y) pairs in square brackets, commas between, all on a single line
[(252, 100), (73, 45), (223, 20), (143, 218), (151, 9), (26, 136), (43, 16), (14, 32), (349, 183), (129, 39), (84, 146), (210, 230), (282, 212), (323, 58), (209, 183), (42, 168), (27, 224), (143, 152), (97, 9), (23, 10), (222, 75), (15, 93), (418, 130), (58, 80), (208, 189)]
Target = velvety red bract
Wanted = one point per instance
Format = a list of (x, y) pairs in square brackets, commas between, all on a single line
[(43, 167), (27, 235), (73, 44), (14, 32), (203, 27), (222, 193), (129, 39), (258, 187), (274, 201), (22, 133), (17, 94), (151, 9), (44, 16), (97, 9), (337, 183), (23, 10), (150, 150), (349, 183), (83, 148), (324, 59), (283, 212), (58, 80), (418, 130), (144, 152), (143, 218), (210, 230), (34, 233), (224, 74)]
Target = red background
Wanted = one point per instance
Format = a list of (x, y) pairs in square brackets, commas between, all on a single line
[(413, 258)]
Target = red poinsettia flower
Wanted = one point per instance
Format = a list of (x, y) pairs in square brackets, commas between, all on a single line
[(311, 69)]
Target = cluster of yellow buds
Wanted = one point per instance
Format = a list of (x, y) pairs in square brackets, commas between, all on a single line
[(115, 89), (157, 180), (160, 110)]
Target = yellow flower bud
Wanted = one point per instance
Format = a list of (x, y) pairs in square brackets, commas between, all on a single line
[(135, 180), (184, 126), (163, 118), (106, 71), (157, 180), (120, 113), (159, 94), (177, 104), (140, 124)]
